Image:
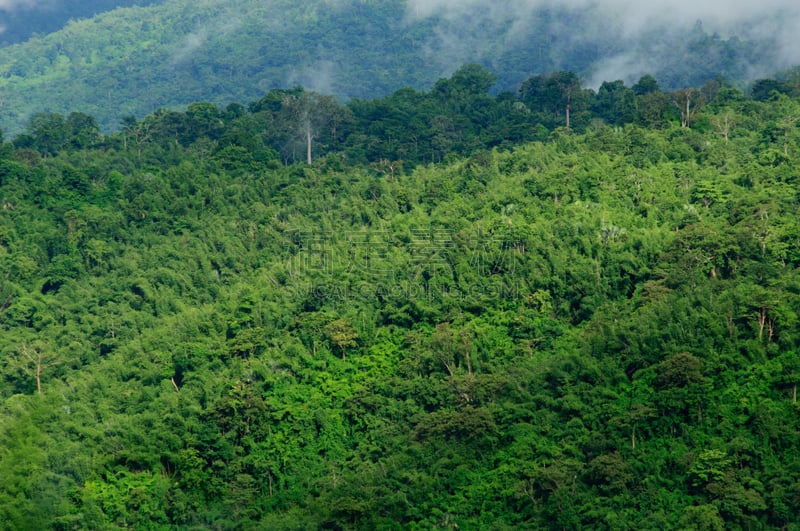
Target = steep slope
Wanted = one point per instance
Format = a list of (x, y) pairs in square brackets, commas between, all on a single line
[(594, 332)]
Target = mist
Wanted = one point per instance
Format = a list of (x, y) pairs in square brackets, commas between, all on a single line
[(635, 37), (11, 5), (637, 15)]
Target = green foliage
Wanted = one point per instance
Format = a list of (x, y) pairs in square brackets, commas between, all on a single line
[(593, 330)]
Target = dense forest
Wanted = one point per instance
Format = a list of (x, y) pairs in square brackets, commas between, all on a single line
[(135, 60), (554, 308), (21, 20)]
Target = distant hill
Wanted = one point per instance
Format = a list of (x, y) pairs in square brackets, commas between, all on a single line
[(134, 60), (19, 21)]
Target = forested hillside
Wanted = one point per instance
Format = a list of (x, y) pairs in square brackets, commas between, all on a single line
[(136, 60), (22, 19), (503, 323)]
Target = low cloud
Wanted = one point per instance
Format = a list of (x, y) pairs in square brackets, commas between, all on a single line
[(13, 5), (320, 77), (635, 14), (189, 45), (193, 42), (625, 29)]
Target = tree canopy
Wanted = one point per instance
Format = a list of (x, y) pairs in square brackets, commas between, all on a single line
[(463, 313)]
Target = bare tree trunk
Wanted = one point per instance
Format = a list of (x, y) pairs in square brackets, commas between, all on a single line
[(786, 142), (688, 113), (449, 368), (762, 320), (308, 145), (466, 345), (683, 100), (39, 362)]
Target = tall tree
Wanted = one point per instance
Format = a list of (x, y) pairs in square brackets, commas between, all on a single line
[(35, 359), (47, 133), (615, 103), (688, 101), (83, 130), (553, 94), (309, 112)]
